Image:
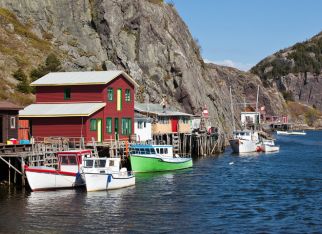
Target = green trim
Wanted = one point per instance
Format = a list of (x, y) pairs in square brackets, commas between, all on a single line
[(93, 125), (110, 94), (67, 93), (109, 125), (127, 95)]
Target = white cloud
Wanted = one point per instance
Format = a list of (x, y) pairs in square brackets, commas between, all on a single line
[(230, 63)]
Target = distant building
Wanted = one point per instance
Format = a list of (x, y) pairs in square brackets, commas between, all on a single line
[(142, 128), (96, 104), (165, 120), (250, 118), (8, 121)]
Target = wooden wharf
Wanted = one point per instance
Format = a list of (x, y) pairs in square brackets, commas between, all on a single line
[(42, 151)]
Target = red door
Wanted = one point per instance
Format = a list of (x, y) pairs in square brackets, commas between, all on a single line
[(174, 123)]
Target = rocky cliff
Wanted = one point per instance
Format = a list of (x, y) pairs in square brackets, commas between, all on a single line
[(148, 40), (295, 72)]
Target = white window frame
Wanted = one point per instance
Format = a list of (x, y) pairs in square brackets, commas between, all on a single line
[(12, 122)]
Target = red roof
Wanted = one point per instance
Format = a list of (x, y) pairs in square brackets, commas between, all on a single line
[(5, 105)]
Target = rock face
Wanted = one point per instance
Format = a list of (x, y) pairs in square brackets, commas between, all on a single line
[(296, 71), (148, 40)]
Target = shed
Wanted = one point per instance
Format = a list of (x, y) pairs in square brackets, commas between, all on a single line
[(8, 121)]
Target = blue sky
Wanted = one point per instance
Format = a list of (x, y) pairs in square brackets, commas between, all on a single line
[(240, 33)]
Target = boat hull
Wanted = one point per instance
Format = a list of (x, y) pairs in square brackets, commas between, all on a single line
[(150, 164), (42, 179), (104, 181), (270, 148), (243, 146)]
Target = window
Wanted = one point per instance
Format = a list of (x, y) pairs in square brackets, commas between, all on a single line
[(109, 125), (127, 95), (126, 126), (67, 93), (89, 163), (93, 126), (72, 161), (163, 120), (184, 120), (119, 100), (12, 122), (141, 124), (110, 94)]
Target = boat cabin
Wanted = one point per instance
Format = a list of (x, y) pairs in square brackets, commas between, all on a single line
[(246, 135), (153, 150), (111, 164), (71, 161)]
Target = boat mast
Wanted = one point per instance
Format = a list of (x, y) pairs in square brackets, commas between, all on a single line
[(232, 109), (257, 107)]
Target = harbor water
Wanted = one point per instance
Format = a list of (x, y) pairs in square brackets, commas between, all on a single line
[(277, 192)]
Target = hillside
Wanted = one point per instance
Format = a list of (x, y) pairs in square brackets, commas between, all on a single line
[(295, 72), (145, 38)]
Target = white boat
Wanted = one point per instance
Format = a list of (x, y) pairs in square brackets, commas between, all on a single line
[(66, 176), (245, 141), (106, 174), (269, 146), (290, 133)]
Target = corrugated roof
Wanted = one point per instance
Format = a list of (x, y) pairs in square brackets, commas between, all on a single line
[(61, 110), (80, 78), (157, 109), (5, 105)]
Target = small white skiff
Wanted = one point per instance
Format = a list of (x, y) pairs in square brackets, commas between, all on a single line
[(105, 174), (291, 133), (269, 146)]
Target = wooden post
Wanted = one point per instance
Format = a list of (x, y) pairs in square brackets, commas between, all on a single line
[(23, 171), (9, 170)]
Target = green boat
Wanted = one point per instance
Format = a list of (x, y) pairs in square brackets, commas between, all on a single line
[(149, 158)]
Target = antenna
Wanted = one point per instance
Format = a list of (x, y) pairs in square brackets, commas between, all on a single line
[(232, 109)]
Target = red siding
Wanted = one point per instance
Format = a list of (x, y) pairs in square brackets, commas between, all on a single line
[(79, 93), (68, 127)]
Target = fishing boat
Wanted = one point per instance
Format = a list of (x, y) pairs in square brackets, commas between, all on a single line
[(245, 141), (301, 133), (149, 158), (67, 175), (269, 146), (106, 174)]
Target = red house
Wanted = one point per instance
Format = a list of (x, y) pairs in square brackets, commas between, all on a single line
[(96, 104)]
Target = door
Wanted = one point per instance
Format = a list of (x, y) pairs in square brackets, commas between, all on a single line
[(116, 128), (174, 123), (99, 130)]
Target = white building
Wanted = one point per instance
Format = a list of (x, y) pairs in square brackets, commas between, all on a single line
[(249, 118), (142, 128)]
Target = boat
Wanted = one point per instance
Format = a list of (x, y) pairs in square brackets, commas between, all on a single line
[(245, 141), (150, 158), (291, 133), (269, 146), (106, 174), (67, 175)]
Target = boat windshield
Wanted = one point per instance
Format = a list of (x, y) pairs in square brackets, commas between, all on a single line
[(89, 163), (100, 163)]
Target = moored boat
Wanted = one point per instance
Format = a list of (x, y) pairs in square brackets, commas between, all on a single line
[(106, 174), (149, 158), (67, 175), (301, 133), (245, 141), (269, 146)]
